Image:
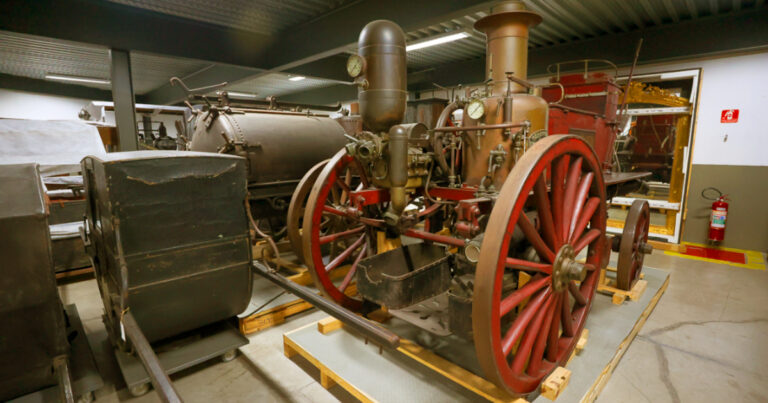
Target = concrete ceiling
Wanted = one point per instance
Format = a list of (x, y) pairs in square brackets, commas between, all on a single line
[(258, 45)]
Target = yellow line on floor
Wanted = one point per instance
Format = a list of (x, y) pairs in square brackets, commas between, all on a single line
[(755, 260)]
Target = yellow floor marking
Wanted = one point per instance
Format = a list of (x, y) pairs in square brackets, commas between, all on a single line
[(755, 259)]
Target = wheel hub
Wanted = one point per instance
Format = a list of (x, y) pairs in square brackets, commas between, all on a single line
[(565, 268)]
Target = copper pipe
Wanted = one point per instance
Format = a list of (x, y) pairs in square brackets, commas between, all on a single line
[(485, 127)]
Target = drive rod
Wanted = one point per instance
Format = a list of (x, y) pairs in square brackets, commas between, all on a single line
[(377, 334)]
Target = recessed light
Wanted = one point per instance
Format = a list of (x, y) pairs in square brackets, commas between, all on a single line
[(297, 78), (437, 41)]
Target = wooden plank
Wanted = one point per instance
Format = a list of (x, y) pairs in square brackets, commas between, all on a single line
[(674, 247), (74, 273), (555, 383), (637, 290), (325, 373), (272, 317), (328, 325), (605, 375), (582, 343), (456, 373)]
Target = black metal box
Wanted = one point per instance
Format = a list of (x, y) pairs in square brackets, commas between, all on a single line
[(169, 238), (32, 327)]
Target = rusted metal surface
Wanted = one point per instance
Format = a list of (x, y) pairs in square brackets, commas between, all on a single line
[(633, 245), (297, 206), (383, 98), (159, 378), (33, 324), (166, 225)]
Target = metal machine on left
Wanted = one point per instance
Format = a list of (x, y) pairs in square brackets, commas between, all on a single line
[(168, 235)]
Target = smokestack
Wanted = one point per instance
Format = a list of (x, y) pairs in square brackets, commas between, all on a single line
[(506, 29)]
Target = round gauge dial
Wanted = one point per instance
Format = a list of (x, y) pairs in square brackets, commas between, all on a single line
[(476, 109), (355, 65)]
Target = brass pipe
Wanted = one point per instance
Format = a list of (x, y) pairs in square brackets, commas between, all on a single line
[(484, 127), (398, 171)]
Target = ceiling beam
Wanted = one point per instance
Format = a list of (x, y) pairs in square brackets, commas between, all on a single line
[(705, 36), (323, 96), (18, 83), (119, 26)]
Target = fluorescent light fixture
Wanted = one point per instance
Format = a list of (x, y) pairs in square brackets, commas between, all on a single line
[(235, 94), (297, 78), (74, 79), (437, 41), (677, 74)]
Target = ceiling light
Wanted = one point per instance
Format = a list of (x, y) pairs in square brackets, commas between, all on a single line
[(437, 41), (297, 78), (74, 79), (235, 94)]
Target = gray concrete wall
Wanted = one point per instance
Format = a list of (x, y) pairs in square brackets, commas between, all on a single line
[(747, 187)]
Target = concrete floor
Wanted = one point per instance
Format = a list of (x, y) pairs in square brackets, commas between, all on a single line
[(707, 340)]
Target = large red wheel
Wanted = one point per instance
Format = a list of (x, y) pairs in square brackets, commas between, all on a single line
[(633, 245), (523, 333), (337, 232), (298, 205)]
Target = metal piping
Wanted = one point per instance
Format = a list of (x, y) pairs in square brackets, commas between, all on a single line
[(398, 171)]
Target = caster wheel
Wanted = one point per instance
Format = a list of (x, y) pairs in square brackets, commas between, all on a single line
[(86, 398), (139, 390), (229, 355)]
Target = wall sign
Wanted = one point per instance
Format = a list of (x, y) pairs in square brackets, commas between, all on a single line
[(729, 116)]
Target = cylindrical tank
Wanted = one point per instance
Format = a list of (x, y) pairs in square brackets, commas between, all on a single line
[(382, 100), (507, 52), (280, 146)]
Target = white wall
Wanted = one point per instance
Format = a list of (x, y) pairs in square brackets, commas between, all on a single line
[(27, 105)]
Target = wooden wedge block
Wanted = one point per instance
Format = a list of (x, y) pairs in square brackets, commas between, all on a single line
[(328, 325), (555, 383)]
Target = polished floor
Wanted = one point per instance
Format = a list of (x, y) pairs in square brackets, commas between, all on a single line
[(707, 340)]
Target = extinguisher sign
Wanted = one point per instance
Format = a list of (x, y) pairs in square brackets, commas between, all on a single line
[(718, 218), (729, 116)]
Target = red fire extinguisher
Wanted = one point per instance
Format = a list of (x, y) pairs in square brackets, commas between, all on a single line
[(718, 216)]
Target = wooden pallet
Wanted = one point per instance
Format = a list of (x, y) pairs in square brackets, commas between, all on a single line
[(607, 286), (551, 388)]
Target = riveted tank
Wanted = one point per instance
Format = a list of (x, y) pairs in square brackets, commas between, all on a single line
[(279, 148), (383, 90)]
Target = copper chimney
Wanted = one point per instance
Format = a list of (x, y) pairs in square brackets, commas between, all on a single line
[(506, 29)]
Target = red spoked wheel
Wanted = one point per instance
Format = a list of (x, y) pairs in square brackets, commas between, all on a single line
[(524, 333), (633, 245), (298, 205), (336, 230)]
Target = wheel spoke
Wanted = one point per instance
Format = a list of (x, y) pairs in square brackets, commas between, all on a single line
[(545, 213), (344, 254), (341, 235), (586, 216), (520, 264), (534, 363), (526, 345), (535, 239), (560, 167), (576, 292), (574, 172), (567, 318), (512, 300), (581, 197), (521, 322), (333, 210), (353, 268), (554, 331), (587, 239)]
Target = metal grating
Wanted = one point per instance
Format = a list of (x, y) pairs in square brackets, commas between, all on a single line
[(266, 17), (278, 84), (34, 57)]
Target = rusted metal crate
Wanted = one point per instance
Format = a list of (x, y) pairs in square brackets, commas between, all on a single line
[(169, 239)]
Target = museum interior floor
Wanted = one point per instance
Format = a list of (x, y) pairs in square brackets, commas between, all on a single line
[(707, 340)]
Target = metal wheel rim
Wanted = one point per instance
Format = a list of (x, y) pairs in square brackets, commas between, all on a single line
[(486, 319), (635, 233), (311, 245), (297, 206)]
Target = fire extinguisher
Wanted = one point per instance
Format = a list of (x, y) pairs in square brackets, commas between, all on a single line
[(718, 216)]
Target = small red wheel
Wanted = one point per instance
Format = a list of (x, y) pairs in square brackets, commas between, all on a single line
[(523, 333), (337, 232), (297, 206), (633, 245)]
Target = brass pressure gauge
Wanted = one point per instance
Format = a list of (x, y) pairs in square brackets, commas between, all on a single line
[(355, 65), (476, 109)]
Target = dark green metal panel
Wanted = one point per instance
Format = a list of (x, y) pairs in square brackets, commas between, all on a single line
[(170, 238), (31, 315)]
